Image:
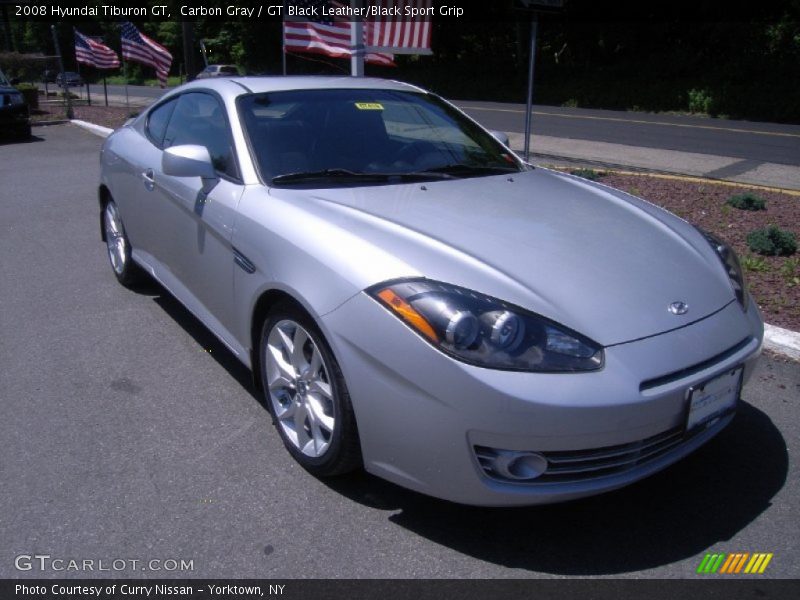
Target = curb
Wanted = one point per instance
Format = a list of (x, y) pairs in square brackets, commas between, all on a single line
[(48, 123), (782, 341), (776, 339), (92, 128), (655, 173)]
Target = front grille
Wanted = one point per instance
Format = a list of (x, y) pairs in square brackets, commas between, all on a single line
[(583, 465), (599, 462), (682, 373)]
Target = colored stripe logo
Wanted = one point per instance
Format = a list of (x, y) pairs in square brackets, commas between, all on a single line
[(735, 563)]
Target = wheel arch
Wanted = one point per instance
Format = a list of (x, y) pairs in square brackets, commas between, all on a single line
[(103, 197), (261, 308)]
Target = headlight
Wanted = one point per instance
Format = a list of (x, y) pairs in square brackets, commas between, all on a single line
[(16, 98), (487, 332), (731, 263)]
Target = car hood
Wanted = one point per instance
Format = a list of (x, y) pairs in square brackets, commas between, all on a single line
[(599, 261)]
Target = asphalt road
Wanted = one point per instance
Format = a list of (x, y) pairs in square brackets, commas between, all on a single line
[(751, 141), (129, 433), (756, 142)]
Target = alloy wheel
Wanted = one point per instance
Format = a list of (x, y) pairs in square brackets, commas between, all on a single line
[(299, 388)]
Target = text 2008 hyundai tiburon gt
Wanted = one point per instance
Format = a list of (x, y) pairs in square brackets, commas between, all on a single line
[(415, 299)]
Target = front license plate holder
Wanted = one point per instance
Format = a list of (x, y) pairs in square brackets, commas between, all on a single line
[(708, 401)]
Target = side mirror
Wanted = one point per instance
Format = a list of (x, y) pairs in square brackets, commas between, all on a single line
[(190, 161), (15, 81), (500, 136)]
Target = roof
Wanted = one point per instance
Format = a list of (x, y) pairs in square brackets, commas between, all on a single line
[(228, 85)]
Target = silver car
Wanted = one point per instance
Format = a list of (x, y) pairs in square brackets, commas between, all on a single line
[(414, 299), (218, 71)]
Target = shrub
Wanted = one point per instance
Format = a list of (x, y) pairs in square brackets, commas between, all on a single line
[(31, 94), (772, 241), (754, 263), (589, 174), (701, 101), (790, 271), (747, 202)]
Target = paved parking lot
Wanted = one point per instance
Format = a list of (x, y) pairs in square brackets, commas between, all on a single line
[(129, 433)]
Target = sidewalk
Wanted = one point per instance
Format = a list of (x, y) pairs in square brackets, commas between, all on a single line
[(584, 153)]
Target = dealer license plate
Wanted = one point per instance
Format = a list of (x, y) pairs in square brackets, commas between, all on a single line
[(710, 400)]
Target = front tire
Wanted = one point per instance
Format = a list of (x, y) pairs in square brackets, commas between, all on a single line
[(307, 395), (118, 246)]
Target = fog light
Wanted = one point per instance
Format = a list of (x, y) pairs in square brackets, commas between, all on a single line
[(511, 465)]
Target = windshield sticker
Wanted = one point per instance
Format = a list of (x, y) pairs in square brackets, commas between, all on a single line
[(369, 106)]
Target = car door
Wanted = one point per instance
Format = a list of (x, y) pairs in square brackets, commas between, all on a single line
[(191, 237), (130, 162)]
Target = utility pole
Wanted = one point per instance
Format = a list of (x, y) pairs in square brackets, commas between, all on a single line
[(357, 42), (188, 49), (8, 38), (65, 85), (533, 7), (529, 105)]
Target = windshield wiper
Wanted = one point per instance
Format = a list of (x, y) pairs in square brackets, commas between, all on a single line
[(463, 169), (347, 174), (326, 174)]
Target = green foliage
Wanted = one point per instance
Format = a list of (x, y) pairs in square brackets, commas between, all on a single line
[(26, 67), (754, 263), (700, 101), (747, 201), (31, 94), (790, 270), (140, 79), (590, 174), (772, 241), (712, 64)]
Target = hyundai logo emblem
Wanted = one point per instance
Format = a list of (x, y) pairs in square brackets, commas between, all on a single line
[(678, 308)]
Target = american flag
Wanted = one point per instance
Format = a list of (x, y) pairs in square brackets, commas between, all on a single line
[(403, 34), (137, 47), (95, 54), (324, 34)]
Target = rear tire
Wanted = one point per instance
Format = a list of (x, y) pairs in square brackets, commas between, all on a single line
[(306, 394)]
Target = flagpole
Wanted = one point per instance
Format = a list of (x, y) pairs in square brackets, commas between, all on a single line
[(63, 76), (283, 39), (125, 75), (356, 42), (78, 64)]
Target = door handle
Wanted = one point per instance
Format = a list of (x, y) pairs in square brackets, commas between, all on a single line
[(149, 178)]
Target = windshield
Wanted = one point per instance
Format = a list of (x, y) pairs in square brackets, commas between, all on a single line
[(366, 136)]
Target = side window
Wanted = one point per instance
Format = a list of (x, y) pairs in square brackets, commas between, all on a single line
[(157, 122), (199, 119)]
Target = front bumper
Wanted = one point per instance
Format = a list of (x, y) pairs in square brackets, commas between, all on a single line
[(422, 414)]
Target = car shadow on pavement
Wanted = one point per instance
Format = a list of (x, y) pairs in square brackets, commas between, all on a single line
[(10, 142), (708, 497), (204, 338)]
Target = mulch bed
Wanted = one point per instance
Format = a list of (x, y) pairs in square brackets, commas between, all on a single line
[(107, 116), (773, 281)]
